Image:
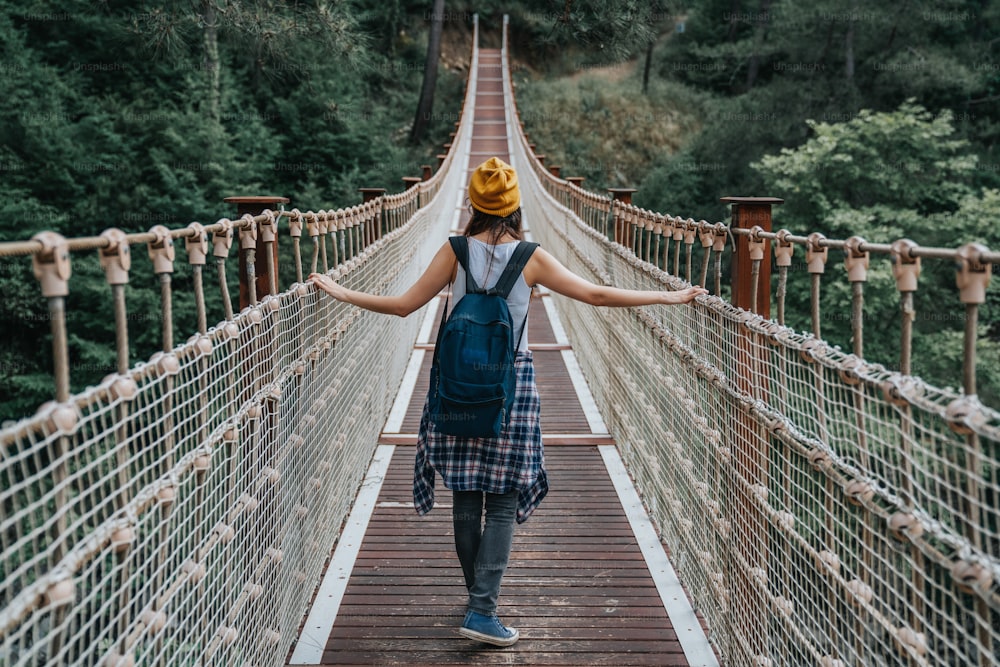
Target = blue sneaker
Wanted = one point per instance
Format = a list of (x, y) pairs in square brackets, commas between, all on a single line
[(487, 629)]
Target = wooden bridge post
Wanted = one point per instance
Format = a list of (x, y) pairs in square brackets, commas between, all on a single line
[(574, 202), (256, 433), (749, 442), (255, 206), (749, 212), (411, 182), (623, 195), (367, 195)]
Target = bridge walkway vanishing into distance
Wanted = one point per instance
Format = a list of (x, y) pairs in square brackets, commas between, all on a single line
[(243, 498), (578, 585)]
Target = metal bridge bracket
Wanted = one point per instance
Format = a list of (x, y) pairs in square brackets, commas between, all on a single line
[(51, 265)]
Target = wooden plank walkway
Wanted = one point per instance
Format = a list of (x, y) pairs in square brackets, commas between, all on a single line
[(578, 587)]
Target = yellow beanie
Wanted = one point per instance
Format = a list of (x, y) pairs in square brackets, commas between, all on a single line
[(493, 188)]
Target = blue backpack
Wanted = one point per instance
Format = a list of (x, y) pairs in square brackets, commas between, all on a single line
[(472, 376)]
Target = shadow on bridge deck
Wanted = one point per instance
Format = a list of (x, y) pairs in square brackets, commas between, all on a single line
[(579, 586)]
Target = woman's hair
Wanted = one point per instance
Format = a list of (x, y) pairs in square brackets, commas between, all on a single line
[(484, 222)]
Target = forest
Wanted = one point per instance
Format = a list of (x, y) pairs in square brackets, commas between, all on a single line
[(870, 119), (880, 121)]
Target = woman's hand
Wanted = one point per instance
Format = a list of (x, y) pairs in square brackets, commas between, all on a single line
[(326, 283), (686, 295)]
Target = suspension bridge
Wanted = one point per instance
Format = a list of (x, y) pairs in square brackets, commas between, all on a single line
[(725, 490)]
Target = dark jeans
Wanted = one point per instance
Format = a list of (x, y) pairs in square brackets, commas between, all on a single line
[(483, 550)]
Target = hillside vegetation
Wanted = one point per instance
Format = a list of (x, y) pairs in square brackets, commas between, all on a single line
[(110, 116), (879, 121)]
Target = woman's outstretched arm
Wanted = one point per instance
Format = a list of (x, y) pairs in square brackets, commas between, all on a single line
[(544, 269), (433, 280)]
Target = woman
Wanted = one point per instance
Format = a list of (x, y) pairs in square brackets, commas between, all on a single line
[(506, 475)]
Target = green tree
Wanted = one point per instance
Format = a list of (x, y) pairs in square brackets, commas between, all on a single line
[(886, 176), (908, 159), (561, 34), (426, 102), (264, 31), (824, 60), (100, 128)]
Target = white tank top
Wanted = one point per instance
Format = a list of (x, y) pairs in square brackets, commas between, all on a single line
[(480, 254)]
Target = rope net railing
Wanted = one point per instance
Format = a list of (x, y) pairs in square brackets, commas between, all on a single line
[(821, 509), (181, 511)]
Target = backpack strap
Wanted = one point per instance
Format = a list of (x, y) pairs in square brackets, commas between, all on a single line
[(437, 342), (509, 276), (512, 271), (460, 246), (515, 265)]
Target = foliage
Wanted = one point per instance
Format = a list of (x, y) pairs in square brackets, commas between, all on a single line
[(556, 34), (853, 177), (885, 176), (568, 119), (827, 61), (879, 121), (105, 121)]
